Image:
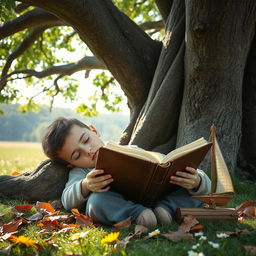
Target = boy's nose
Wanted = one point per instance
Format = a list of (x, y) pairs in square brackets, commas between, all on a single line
[(86, 149)]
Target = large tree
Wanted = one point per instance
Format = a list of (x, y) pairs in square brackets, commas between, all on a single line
[(202, 72)]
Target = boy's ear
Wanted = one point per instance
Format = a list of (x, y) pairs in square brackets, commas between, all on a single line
[(93, 129)]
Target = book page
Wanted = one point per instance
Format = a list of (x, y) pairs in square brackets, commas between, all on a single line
[(184, 149), (151, 156)]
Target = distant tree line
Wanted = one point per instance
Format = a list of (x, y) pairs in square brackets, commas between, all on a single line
[(16, 126)]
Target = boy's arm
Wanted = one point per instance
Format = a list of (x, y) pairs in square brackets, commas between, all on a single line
[(72, 195), (205, 185)]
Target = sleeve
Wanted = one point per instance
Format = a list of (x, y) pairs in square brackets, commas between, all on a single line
[(72, 196), (205, 185)]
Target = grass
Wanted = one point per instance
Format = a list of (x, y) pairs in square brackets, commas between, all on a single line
[(21, 157)]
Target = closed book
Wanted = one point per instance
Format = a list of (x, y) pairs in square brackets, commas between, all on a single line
[(144, 176)]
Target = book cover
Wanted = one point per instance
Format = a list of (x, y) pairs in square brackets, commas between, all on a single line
[(145, 181)]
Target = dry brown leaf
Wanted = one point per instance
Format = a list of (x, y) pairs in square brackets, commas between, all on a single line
[(178, 235), (35, 217), (237, 232), (250, 250), (123, 224), (48, 224), (122, 244), (12, 226), (188, 222), (82, 219)]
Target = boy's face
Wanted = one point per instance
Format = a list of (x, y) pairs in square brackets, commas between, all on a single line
[(81, 147)]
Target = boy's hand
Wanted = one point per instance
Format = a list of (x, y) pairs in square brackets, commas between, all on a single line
[(188, 179), (95, 183)]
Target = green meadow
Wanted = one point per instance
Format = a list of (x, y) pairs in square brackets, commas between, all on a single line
[(19, 157)]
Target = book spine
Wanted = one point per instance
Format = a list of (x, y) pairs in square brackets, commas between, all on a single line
[(158, 178)]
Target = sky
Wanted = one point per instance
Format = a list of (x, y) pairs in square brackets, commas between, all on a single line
[(86, 88)]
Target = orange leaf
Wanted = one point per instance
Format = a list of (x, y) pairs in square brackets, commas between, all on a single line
[(245, 204), (49, 224), (15, 173), (25, 207), (44, 207), (82, 219), (123, 224), (196, 228), (12, 226)]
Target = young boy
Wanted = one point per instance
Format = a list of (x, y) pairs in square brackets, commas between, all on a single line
[(75, 144)]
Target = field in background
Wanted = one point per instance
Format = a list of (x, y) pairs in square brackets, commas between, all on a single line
[(19, 156)]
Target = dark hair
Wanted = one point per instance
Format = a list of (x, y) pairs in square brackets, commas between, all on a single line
[(55, 136)]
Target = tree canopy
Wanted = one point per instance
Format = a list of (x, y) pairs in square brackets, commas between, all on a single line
[(37, 50)]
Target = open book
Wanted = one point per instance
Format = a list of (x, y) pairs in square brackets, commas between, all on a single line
[(143, 176)]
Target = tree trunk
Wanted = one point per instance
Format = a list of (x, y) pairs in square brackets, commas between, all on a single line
[(46, 182), (200, 79), (219, 36), (247, 153)]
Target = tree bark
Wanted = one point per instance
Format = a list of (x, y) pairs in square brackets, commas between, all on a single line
[(46, 182), (247, 153), (219, 35), (157, 122)]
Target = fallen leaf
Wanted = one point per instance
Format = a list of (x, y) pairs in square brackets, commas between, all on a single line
[(82, 219), (123, 224), (24, 207), (16, 213), (35, 217), (12, 226), (15, 173), (44, 208), (196, 228), (237, 232), (48, 224), (7, 236), (188, 222), (250, 250), (122, 244), (178, 235)]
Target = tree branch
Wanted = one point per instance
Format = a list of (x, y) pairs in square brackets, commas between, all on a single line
[(86, 63), (129, 53), (28, 20), (27, 42), (164, 7), (157, 25)]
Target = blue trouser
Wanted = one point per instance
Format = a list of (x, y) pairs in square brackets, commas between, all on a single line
[(110, 207)]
